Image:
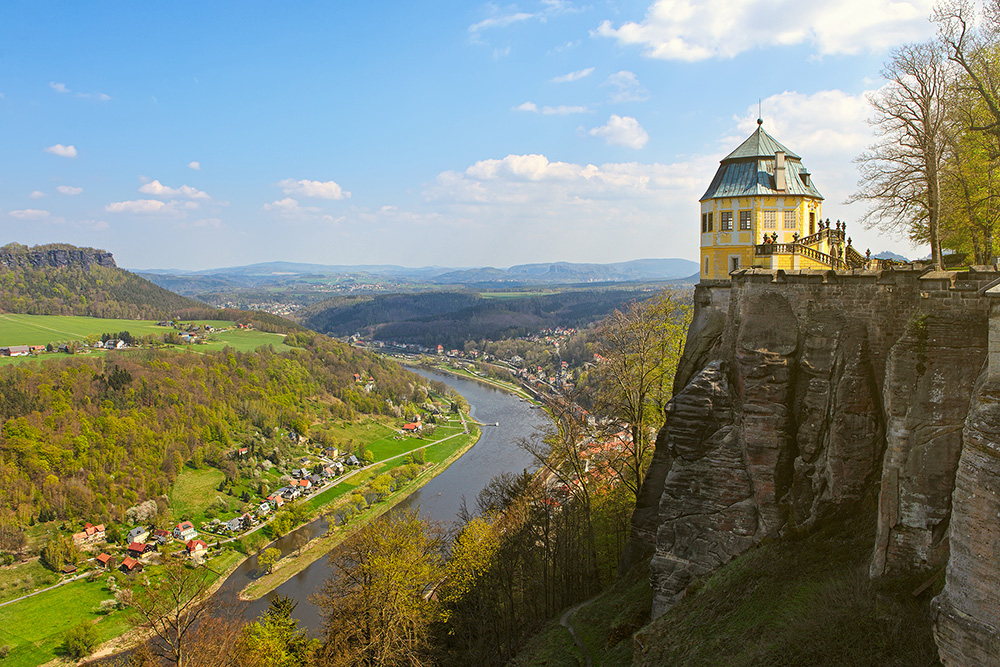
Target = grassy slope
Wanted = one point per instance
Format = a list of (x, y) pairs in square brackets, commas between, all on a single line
[(788, 603), (194, 491), (35, 633)]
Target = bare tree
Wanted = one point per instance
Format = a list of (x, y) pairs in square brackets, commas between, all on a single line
[(639, 348), (170, 606), (973, 48), (901, 171)]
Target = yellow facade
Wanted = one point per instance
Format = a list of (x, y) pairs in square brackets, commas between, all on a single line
[(720, 249)]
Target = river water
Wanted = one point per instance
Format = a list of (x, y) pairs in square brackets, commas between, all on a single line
[(496, 452)]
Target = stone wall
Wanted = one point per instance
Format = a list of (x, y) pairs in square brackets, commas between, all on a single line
[(799, 393)]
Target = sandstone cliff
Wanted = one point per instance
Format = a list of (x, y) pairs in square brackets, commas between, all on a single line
[(53, 255), (801, 393)]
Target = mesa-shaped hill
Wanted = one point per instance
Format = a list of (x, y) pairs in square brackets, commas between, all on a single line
[(61, 279)]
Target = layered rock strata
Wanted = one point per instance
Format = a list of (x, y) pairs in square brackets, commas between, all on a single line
[(799, 394)]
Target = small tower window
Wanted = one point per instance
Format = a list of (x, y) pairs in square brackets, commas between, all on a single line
[(745, 221), (769, 219), (706, 266), (706, 223), (812, 222), (726, 221)]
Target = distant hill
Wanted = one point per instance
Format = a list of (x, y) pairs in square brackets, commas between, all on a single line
[(61, 279), (550, 273), (451, 318), (888, 254)]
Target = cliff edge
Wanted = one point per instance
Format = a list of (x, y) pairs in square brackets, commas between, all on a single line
[(799, 394)]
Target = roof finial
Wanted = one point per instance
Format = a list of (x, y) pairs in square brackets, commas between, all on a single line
[(760, 116)]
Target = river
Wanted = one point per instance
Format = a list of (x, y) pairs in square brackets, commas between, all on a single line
[(496, 452)]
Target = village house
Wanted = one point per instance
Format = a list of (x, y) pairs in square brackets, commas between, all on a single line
[(138, 534), (185, 531), (411, 427), (130, 566), (234, 525), (104, 560), (161, 536), (139, 549), (196, 549), (263, 509), (89, 535)]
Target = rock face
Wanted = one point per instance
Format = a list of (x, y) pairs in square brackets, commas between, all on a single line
[(55, 255), (927, 396), (801, 393), (967, 612)]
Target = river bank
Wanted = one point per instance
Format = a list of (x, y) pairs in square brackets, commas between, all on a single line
[(291, 565)]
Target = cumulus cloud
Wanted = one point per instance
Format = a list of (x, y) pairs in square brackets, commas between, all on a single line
[(152, 206), (29, 214), (286, 205), (692, 30), (37, 194), (157, 189), (622, 131), (58, 87), (527, 106), (573, 76), (315, 189), (101, 97), (194, 164), (625, 87), (68, 190), (62, 151)]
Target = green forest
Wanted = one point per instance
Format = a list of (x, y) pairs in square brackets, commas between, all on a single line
[(88, 438)]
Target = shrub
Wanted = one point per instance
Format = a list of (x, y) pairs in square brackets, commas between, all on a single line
[(81, 640)]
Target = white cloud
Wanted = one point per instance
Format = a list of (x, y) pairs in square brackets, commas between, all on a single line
[(501, 21), (37, 194), (152, 206), (573, 76), (693, 30), (583, 212), (561, 110), (157, 189), (316, 189), (626, 87), (29, 214), (194, 164), (58, 87), (102, 97), (564, 110), (68, 190), (622, 131), (62, 151), (286, 205)]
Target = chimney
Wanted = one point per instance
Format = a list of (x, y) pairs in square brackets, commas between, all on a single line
[(779, 171)]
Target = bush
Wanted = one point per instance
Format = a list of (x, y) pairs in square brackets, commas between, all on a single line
[(81, 640)]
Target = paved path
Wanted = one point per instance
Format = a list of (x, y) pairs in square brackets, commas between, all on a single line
[(42, 590)]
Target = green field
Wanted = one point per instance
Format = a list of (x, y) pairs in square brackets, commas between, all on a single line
[(16, 329), (193, 492), (34, 628)]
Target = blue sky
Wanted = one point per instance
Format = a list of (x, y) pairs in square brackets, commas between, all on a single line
[(197, 135)]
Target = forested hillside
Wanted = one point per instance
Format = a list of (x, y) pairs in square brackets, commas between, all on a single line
[(451, 318), (89, 438), (59, 279)]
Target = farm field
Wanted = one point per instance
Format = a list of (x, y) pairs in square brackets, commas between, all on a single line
[(35, 634), (18, 329)]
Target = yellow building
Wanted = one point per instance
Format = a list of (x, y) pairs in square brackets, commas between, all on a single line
[(763, 210)]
